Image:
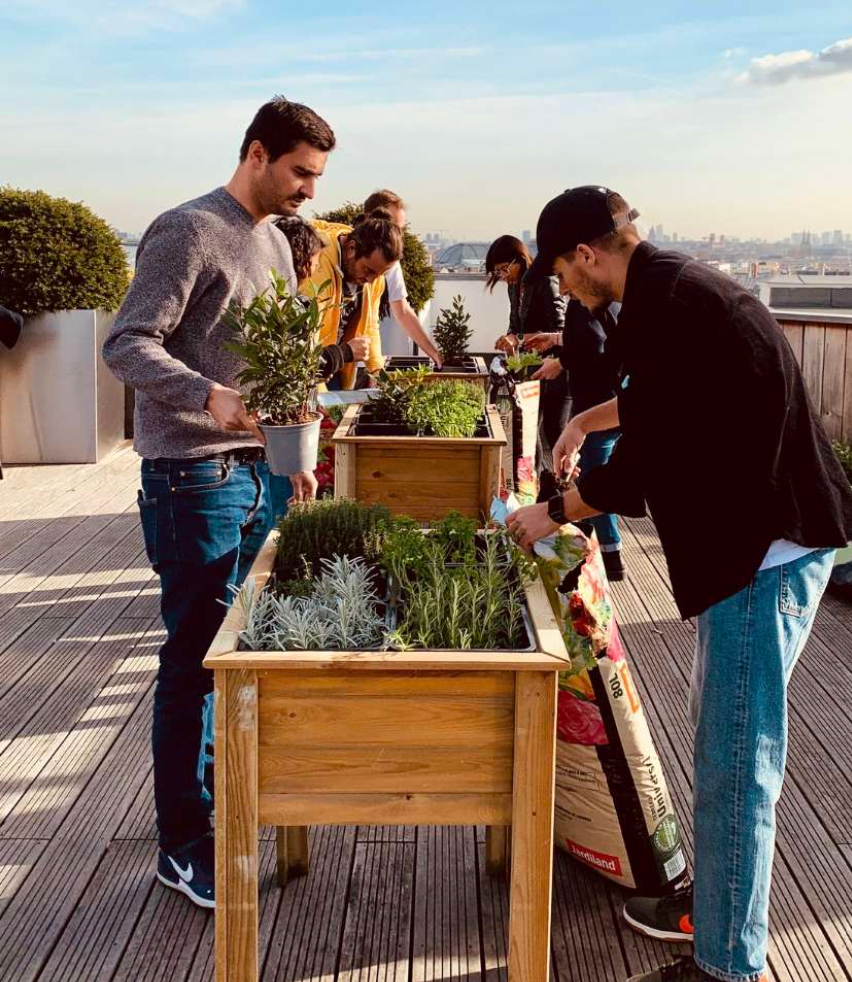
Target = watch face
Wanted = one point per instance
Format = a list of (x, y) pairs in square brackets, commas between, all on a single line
[(556, 509)]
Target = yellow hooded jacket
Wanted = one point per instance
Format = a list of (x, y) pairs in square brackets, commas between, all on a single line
[(329, 270)]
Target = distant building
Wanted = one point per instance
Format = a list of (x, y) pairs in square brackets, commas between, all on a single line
[(463, 255)]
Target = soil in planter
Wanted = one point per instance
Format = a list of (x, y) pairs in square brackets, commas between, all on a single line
[(399, 363), (469, 366), (367, 424)]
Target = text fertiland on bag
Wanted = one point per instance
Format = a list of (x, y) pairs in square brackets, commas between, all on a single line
[(613, 810)]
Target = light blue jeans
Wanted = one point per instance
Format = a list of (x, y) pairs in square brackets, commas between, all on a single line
[(747, 647)]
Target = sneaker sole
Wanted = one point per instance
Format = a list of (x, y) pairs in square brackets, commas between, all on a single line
[(185, 889), (673, 937)]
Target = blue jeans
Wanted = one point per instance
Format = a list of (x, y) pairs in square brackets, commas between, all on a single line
[(596, 450), (747, 646), (204, 523)]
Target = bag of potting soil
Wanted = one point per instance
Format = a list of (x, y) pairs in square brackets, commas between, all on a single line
[(523, 399), (613, 809)]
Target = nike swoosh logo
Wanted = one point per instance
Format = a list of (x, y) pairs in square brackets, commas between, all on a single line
[(184, 874)]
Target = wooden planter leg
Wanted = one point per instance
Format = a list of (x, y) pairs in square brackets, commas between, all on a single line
[(532, 827), (236, 826), (497, 850), (293, 854)]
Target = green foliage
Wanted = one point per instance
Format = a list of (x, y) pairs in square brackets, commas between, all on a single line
[(521, 363), (452, 333), (416, 262), (277, 336), (313, 531), (477, 603), (57, 255), (844, 455), (445, 408)]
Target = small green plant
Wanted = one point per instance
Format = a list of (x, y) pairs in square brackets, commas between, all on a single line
[(446, 409), (277, 335), (844, 455), (57, 255), (520, 363), (452, 333), (313, 531)]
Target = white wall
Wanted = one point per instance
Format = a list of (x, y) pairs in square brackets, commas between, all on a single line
[(489, 312)]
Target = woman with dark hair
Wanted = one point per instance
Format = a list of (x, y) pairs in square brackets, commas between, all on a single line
[(535, 307)]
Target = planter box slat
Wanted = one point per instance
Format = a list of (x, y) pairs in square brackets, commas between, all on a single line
[(384, 809), (423, 477)]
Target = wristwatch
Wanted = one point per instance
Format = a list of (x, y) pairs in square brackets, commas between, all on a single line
[(556, 509)]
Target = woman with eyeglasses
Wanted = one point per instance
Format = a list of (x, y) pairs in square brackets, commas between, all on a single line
[(535, 308)]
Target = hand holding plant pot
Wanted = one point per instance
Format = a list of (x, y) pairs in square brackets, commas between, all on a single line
[(277, 336)]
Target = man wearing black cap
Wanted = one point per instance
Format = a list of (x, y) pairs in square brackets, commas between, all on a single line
[(749, 503)]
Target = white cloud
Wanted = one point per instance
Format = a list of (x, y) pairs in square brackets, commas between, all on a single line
[(780, 68)]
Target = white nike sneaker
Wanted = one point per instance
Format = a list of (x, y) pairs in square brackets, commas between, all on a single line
[(192, 871)]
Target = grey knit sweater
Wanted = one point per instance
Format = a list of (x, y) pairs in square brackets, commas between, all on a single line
[(168, 341)]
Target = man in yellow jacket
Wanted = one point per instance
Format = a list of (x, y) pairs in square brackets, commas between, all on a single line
[(353, 262)]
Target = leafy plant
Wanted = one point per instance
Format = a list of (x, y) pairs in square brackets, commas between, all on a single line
[(452, 333), (446, 409), (57, 254), (340, 613), (518, 364), (844, 455), (313, 531), (416, 262), (277, 335)]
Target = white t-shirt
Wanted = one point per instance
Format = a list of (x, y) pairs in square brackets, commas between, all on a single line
[(783, 551), (395, 283)]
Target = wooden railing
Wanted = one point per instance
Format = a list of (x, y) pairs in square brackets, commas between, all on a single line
[(823, 349)]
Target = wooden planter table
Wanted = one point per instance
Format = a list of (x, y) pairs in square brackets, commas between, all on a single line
[(423, 477), (384, 738)]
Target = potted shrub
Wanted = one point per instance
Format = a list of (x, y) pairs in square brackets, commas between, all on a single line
[(65, 270), (422, 447), (277, 335), (452, 334)]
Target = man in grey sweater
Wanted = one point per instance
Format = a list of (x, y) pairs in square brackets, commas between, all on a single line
[(205, 500)]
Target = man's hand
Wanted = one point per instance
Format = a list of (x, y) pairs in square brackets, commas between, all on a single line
[(226, 406), (528, 525), (507, 343), (360, 348), (304, 486), (550, 368), (541, 342), (566, 452), (433, 353)]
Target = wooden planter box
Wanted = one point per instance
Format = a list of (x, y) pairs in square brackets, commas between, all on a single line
[(384, 738), (478, 377), (423, 477)]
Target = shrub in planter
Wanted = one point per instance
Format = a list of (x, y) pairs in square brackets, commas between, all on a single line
[(277, 335), (444, 408), (57, 255), (452, 333), (416, 263)]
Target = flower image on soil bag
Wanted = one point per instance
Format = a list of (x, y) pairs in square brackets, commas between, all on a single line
[(613, 809)]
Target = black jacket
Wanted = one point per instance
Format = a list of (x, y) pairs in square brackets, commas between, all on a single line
[(11, 325), (594, 371), (536, 306), (719, 437)]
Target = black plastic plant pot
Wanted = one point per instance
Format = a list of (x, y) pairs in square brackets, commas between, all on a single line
[(401, 363)]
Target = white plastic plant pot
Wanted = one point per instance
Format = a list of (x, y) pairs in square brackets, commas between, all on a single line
[(292, 449)]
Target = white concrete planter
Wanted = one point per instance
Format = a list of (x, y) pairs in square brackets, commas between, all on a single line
[(59, 403), (395, 342)]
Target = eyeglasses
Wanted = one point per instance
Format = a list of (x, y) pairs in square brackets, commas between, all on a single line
[(503, 269)]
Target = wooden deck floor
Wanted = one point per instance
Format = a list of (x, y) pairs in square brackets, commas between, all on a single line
[(78, 641)]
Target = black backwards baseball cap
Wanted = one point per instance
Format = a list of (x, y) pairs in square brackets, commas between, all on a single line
[(575, 216)]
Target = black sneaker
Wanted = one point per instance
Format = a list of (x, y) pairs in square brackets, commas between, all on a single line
[(191, 871), (614, 565), (683, 970), (662, 918)]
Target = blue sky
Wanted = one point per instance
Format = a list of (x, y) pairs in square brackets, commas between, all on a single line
[(709, 117)]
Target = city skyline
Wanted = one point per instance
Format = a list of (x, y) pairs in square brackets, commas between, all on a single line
[(477, 116)]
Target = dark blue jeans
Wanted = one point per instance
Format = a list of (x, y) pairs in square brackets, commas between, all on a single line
[(204, 523), (596, 451)]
